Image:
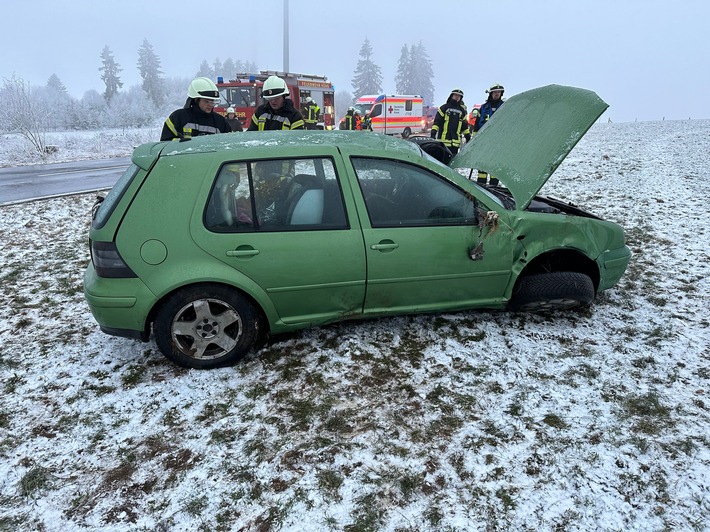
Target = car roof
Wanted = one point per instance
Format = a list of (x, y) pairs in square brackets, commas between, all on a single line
[(255, 142)]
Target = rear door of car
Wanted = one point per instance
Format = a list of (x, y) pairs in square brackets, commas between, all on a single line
[(301, 252)]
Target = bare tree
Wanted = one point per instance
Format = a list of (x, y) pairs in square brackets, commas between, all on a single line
[(21, 112)]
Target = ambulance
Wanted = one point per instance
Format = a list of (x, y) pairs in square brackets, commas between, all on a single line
[(393, 114)]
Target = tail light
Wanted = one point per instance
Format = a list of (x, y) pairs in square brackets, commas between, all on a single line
[(108, 262)]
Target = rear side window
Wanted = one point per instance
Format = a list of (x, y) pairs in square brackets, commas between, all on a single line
[(106, 208), (276, 195)]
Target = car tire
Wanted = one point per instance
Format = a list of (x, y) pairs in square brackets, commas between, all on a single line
[(552, 291), (206, 326), (406, 133)]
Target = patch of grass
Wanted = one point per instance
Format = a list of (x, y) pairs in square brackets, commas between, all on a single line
[(555, 421), (34, 480), (368, 513), (329, 482), (133, 375), (650, 415), (506, 497), (409, 484), (196, 505), (13, 382)]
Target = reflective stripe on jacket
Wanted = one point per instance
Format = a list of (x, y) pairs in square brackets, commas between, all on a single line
[(267, 119)]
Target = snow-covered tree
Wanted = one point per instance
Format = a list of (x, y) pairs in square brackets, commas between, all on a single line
[(110, 71), (54, 101), (422, 73), (132, 108), (368, 76), (403, 78), (217, 68), (205, 70), (55, 84), (149, 69), (343, 100), (21, 111), (229, 69)]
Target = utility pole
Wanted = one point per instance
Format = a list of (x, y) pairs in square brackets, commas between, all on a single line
[(285, 35)]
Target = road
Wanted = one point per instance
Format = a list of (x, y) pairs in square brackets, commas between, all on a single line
[(24, 183)]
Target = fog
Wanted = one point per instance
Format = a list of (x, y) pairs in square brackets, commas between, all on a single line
[(647, 58)]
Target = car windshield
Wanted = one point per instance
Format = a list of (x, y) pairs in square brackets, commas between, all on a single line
[(362, 107)]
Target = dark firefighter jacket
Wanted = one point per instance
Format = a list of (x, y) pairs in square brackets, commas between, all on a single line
[(234, 123), (285, 117), (350, 121), (450, 123), (311, 112), (190, 122), (486, 112)]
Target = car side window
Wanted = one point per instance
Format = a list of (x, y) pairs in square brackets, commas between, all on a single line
[(276, 195), (398, 194)]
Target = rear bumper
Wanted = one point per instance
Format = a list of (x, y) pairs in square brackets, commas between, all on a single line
[(122, 307)]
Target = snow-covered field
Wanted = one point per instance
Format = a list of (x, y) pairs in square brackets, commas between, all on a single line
[(596, 420)]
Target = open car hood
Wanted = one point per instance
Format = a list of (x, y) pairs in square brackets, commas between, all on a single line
[(525, 141)]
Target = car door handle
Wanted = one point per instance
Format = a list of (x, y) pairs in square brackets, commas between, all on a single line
[(384, 246), (242, 252)]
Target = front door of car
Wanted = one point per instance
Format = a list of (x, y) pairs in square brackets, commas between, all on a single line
[(281, 225), (425, 249)]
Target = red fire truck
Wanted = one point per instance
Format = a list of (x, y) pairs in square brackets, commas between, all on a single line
[(244, 94)]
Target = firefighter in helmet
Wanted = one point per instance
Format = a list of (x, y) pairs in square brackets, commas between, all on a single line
[(232, 120), (277, 112), (310, 111), (197, 116), (491, 105), (451, 122), (350, 122)]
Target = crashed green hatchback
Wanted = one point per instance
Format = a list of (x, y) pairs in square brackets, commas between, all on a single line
[(213, 242)]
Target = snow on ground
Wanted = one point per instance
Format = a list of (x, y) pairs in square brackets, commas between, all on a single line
[(594, 420)]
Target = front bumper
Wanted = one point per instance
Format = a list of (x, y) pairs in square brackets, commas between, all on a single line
[(612, 265)]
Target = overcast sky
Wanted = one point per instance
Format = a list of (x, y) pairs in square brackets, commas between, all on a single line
[(648, 59)]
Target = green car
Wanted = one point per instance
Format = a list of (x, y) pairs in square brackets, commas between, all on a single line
[(212, 242)]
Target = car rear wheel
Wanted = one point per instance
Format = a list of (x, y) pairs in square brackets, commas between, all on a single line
[(406, 133), (206, 326), (552, 291)]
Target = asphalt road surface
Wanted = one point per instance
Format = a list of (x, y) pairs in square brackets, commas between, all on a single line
[(26, 183)]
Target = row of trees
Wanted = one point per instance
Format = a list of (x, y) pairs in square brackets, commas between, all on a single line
[(415, 74), (32, 111)]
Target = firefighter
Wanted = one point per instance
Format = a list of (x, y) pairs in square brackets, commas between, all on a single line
[(349, 122), (358, 120), (366, 122), (451, 123), (232, 120), (196, 117), (278, 111), (311, 111), (491, 105)]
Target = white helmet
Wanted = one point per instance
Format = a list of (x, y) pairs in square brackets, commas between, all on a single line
[(309, 99), (203, 88), (274, 87), (230, 110)]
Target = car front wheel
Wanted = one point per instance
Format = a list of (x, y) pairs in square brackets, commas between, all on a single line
[(552, 291), (206, 326)]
